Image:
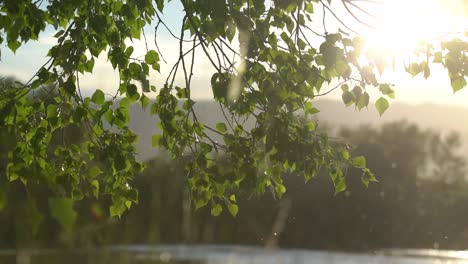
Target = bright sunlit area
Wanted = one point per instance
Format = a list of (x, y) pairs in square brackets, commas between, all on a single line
[(394, 29), (399, 27)]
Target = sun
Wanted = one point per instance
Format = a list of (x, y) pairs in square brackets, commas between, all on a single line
[(400, 26)]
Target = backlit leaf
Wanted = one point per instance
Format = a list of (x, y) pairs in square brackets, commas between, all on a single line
[(381, 104), (216, 210), (221, 127), (359, 162), (233, 209), (98, 97)]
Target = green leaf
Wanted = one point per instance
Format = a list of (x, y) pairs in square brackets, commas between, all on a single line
[(155, 140), (145, 84), (135, 70), (414, 69), (133, 195), (438, 57), (160, 5), (135, 28), (51, 110), (151, 57), (359, 162), (368, 177), (98, 97), (200, 203), (458, 83), (216, 210), (280, 189), (12, 174), (132, 93), (94, 172), (145, 101), (14, 45), (233, 209), (128, 205), (125, 102), (348, 98), (79, 114), (128, 52), (221, 127), (232, 197), (182, 93), (363, 101), (381, 105), (95, 188), (311, 126), (357, 92), (345, 154), (59, 33), (117, 209), (426, 70), (340, 185), (310, 109), (69, 86), (61, 209), (284, 36), (341, 68), (89, 65), (386, 89)]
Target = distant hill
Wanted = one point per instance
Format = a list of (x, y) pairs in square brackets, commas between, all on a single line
[(443, 119)]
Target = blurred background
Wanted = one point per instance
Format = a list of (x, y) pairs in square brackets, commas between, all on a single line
[(418, 153)]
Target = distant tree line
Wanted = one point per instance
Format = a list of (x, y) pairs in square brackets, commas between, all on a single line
[(419, 202)]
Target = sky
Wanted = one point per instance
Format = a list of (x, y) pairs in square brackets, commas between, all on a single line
[(396, 25)]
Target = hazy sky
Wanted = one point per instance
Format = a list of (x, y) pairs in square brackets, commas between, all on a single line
[(394, 29)]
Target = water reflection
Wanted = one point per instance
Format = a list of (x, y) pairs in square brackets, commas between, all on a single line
[(225, 254)]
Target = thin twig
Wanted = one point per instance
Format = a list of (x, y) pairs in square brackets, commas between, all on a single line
[(353, 15), (156, 42), (169, 30), (200, 38), (144, 37), (334, 88), (337, 18)]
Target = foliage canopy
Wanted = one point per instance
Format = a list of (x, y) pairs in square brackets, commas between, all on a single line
[(266, 66)]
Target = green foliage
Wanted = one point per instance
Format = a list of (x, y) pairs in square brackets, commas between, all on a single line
[(420, 167), (368, 177), (62, 210), (282, 74)]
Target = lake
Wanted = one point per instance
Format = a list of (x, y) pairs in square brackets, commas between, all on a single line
[(225, 254)]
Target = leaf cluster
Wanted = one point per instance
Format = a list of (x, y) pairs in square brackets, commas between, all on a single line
[(271, 78)]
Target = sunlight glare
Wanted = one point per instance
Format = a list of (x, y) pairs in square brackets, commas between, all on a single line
[(401, 25)]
